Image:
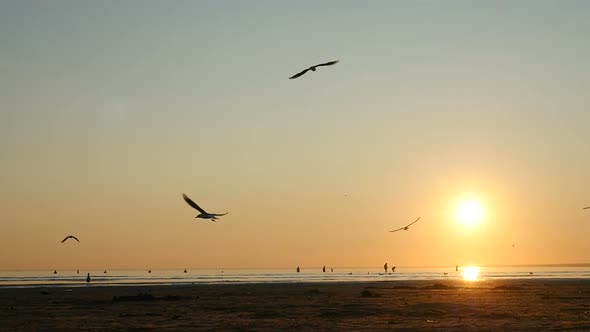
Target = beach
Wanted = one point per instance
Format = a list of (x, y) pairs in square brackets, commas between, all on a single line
[(485, 305)]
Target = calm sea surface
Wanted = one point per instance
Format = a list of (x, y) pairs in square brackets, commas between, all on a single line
[(340, 274)]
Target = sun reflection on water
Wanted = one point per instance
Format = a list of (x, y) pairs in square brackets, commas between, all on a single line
[(470, 273)]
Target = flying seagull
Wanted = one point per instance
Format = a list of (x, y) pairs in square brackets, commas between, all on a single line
[(405, 228), (70, 237), (203, 214), (313, 68), (586, 208)]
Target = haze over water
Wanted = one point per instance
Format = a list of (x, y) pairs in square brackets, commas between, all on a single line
[(204, 276)]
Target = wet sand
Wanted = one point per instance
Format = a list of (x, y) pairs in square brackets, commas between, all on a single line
[(499, 305)]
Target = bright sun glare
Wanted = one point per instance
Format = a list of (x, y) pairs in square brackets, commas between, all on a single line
[(470, 212), (470, 273)]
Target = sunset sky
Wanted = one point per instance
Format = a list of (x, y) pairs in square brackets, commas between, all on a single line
[(110, 110)]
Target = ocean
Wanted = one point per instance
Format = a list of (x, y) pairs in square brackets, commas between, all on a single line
[(70, 278)]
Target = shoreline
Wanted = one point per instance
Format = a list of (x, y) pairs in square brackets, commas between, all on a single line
[(483, 305), (82, 283)]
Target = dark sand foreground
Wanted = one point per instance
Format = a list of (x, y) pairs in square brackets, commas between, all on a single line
[(511, 305)]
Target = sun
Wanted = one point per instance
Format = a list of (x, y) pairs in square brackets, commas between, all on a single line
[(470, 212)]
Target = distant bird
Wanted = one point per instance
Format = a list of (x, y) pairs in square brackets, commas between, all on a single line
[(204, 214), (313, 68), (70, 237), (586, 208), (530, 273), (445, 273), (405, 228)]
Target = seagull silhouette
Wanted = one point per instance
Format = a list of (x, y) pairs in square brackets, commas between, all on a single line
[(70, 237), (313, 68), (405, 228), (586, 208), (203, 214)]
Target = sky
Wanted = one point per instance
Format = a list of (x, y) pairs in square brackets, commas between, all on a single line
[(110, 110)]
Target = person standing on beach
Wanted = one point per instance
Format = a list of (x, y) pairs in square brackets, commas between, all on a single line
[(385, 267), (324, 269), (88, 278), (297, 269)]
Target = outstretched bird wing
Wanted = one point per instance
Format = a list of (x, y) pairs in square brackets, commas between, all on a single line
[(299, 74), (415, 221), (327, 63), (70, 237), (218, 214), (586, 208), (399, 229), (193, 204)]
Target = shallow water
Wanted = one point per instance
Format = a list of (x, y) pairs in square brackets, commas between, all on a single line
[(340, 274)]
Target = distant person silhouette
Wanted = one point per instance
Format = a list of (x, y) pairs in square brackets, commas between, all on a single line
[(88, 277), (77, 271), (149, 271), (324, 269), (298, 269), (457, 268), (385, 267), (54, 271), (393, 269), (184, 270), (331, 269), (105, 271)]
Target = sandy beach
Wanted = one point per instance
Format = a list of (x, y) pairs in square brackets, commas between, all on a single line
[(509, 305)]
